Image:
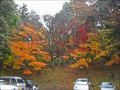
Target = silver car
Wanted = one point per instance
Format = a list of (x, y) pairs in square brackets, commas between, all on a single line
[(81, 84), (14, 81), (5, 86), (107, 86)]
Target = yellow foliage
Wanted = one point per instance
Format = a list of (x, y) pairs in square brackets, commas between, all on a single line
[(85, 52), (71, 42), (113, 22), (102, 53), (83, 22), (86, 45), (10, 61), (92, 37), (114, 60), (89, 60), (80, 64), (74, 55), (94, 45), (17, 67), (92, 52)]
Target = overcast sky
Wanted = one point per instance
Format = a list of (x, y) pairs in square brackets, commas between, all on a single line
[(43, 6)]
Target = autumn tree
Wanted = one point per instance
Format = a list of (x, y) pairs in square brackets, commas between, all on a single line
[(65, 28), (109, 18), (57, 35), (81, 22), (28, 49)]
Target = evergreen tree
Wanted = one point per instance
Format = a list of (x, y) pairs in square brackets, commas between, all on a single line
[(8, 21)]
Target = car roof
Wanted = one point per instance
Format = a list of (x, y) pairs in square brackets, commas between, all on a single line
[(10, 77), (82, 79)]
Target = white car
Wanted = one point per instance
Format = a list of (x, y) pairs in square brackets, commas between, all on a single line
[(107, 86), (81, 84), (5, 86), (14, 81)]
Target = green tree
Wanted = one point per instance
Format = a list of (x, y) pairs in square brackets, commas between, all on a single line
[(8, 21), (109, 17)]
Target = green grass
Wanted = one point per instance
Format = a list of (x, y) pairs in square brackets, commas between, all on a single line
[(62, 77)]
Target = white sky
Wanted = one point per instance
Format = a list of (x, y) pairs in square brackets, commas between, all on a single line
[(43, 6)]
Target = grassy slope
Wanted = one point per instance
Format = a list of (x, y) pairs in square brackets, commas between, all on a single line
[(62, 78)]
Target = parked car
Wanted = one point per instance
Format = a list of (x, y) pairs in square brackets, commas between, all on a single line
[(15, 81), (4, 86), (81, 84), (107, 86), (30, 85)]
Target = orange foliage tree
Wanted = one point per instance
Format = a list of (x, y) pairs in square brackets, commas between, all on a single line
[(27, 47)]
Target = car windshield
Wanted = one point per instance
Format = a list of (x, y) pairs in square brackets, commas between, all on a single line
[(83, 82), (107, 85)]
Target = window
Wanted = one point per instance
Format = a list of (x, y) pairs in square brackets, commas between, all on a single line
[(13, 81), (20, 81), (78, 82), (2, 83), (6, 80), (107, 85)]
